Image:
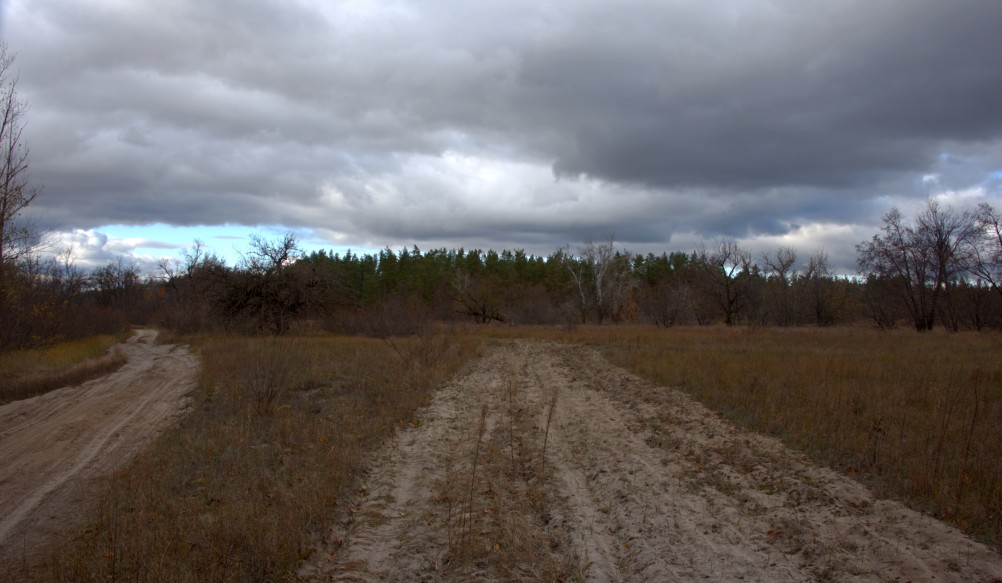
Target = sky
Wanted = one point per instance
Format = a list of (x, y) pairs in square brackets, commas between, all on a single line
[(510, 124)]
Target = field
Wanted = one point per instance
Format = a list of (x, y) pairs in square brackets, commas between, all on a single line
[(913, 416), (248, 482), (303, 455)]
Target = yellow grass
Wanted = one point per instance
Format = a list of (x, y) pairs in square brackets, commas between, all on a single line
[(249, 481), (26, 373), (918, 417)]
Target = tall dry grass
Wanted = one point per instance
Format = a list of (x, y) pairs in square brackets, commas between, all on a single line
[(498, 495), (27, 373), (245, 485), (918, 417)]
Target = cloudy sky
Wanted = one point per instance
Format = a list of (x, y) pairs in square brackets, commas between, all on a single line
[(508, 124)]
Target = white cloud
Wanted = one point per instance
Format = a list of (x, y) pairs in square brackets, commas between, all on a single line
[(89, 248)]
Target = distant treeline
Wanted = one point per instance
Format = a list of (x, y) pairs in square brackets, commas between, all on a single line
[(941, 270)]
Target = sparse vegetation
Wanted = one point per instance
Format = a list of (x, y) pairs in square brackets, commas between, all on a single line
[(498, 494), (26, 373), (911, 415), (248, 482)]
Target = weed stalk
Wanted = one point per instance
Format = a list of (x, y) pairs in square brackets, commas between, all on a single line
[(481, 429)]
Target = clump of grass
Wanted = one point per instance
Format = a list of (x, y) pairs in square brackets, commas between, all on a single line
[(28, 373), (912, 415), (250, 480)]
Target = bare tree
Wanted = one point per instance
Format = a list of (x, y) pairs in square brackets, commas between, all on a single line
[(823, 294), (192, 283), (602, 277), (987, 247), (268, 290), (15, 191), (270, 257), (580, 276), (949, 235), (668, 303), (725, 275), (923, 260), (118, 284), (897, 257), (474, 298), (781, 266)]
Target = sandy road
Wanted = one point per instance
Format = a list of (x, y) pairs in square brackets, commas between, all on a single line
[(53, 446), (635, 483)]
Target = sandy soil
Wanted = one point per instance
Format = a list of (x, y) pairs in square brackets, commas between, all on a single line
[(623, 481), (54, 448)]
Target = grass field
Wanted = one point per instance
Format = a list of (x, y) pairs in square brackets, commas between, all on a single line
[(26, 373), (246, 484), (914, 416), (281, 429)]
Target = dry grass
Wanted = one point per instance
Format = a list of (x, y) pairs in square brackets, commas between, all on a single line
[(914, 416), (281, 429), (248, 482), (499, 499), (27, 373)]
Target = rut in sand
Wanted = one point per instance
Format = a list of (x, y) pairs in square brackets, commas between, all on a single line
[(55, 447), (544, 462)]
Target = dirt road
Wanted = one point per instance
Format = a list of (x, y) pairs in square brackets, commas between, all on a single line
[(546, 463), (52, 447)]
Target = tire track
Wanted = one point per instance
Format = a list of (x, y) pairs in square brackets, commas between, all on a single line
[(54, 445), (639, 484)]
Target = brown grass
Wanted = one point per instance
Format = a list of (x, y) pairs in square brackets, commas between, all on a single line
[(914, 416), (280, 431), (27, 373), (499, 500), (247, 483)]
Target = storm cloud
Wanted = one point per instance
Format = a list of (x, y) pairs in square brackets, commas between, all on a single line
[(516, 123)]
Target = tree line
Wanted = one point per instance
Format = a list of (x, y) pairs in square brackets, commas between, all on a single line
[(943, 269)]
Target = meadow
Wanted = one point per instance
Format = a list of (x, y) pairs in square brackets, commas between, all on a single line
[(281, 430)]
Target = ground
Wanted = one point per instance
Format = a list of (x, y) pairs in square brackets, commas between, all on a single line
[(544, 462), (56, 448), (540, 462)]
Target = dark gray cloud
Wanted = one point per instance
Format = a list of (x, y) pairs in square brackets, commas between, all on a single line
[(804, 99), (514, 123)]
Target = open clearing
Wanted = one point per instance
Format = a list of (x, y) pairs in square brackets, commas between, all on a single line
[(623, 481), (540, 462), (55, 447)]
